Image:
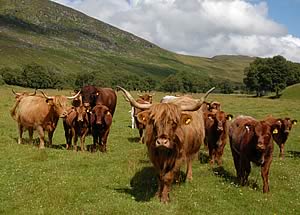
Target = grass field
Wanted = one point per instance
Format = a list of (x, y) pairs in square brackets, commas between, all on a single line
[(122, 181)]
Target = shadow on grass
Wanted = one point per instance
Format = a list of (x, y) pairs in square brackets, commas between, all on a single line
[(294, 154), (203, 157), (143, 185), (134, 139)]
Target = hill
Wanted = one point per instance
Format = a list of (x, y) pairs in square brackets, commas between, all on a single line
[(50, 34), (291, 92)]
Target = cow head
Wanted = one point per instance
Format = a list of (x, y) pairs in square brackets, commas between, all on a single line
[(146, 97), (219, 118), (101, 116), (263, 132), (215, 106), (81, 114), (89, 96), (77, 101), (164, 125), (59, 103), (164, 121)]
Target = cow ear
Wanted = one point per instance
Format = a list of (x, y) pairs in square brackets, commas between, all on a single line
[(294, 122), (143, 117), (49, 101), (108, 118), (229, 117), (185, 119)]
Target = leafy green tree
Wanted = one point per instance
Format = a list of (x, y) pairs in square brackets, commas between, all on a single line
[(171, 84)]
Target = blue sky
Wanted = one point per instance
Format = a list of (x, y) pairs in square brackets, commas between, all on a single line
[(286, 12), (205, 28)]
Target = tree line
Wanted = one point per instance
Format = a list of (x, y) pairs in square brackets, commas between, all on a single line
[(262, 76), (274, 74)]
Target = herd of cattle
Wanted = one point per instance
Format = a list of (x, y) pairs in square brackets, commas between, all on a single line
[(173, 130)]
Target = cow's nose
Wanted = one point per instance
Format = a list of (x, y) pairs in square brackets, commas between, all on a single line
[(220, 128), (162, 142)]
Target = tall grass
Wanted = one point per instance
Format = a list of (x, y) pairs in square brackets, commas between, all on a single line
[(122, 181)]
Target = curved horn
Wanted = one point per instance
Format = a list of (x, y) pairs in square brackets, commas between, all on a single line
[(14, 92), (32, 94), (73, 97), (198, 102), (132, 100), (47, 97)]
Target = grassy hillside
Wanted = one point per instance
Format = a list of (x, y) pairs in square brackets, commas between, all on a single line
[(50, 34), (291, 92), (122, 181)]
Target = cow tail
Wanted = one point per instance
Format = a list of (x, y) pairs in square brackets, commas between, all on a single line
[(13, 109)]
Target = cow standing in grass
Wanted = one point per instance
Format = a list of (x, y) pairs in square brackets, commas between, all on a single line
[(216, 131), (40, 113), (173, 134), (251, 141), (281, 136)]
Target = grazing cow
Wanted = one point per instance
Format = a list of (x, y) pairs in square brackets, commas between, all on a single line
[(173, 134), (280, 138), (251, 140), (216, 130), (76, 124), (40, 113), (91, 96), (101, 120)]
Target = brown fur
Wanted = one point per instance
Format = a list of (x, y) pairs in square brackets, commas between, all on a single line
[(216, 130), (251, 141), (38, 113), (172, 137), (281, 137), (101, 120), (76, 124)]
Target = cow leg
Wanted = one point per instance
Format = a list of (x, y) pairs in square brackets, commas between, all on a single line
[(41, 133), (104, 140), (212, 155), (245, 168), (166, 187), (30, 131), (220, 152), (75, 134), (20, 127), (265, 174), (95, 141), (50, 137), (281, 154)]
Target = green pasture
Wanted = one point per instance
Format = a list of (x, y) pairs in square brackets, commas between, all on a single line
[(122, 181)]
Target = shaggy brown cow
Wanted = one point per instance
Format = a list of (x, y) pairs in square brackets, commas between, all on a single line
[(251, 140), (101, 120), (172, 136), (41, 114), (91, 96), (76, 124), (280, 138), (216, 130)]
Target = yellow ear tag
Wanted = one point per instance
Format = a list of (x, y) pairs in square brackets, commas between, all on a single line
[(275, 131), (229, 118), (188, 121), (295, 123)]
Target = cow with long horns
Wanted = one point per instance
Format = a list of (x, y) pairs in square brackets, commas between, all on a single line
[(173, 134), (40, 113)]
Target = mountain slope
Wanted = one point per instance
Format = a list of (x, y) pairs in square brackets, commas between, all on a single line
[(45, 32)]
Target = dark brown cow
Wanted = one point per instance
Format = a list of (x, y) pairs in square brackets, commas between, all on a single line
[(173, 134), (101, 120), (41, 114), (251, 140), (281, 136), (76, 124), (216, 130), (91, 96)]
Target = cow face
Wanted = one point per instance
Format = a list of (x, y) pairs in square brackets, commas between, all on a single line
[(164, 125), (81, 114), (146, 97), (60, 105), (263, 132), (219, 118), (89, 96), (101, 116), (287, 125)]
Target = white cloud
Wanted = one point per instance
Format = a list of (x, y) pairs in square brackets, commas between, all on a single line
[(198, 27)]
